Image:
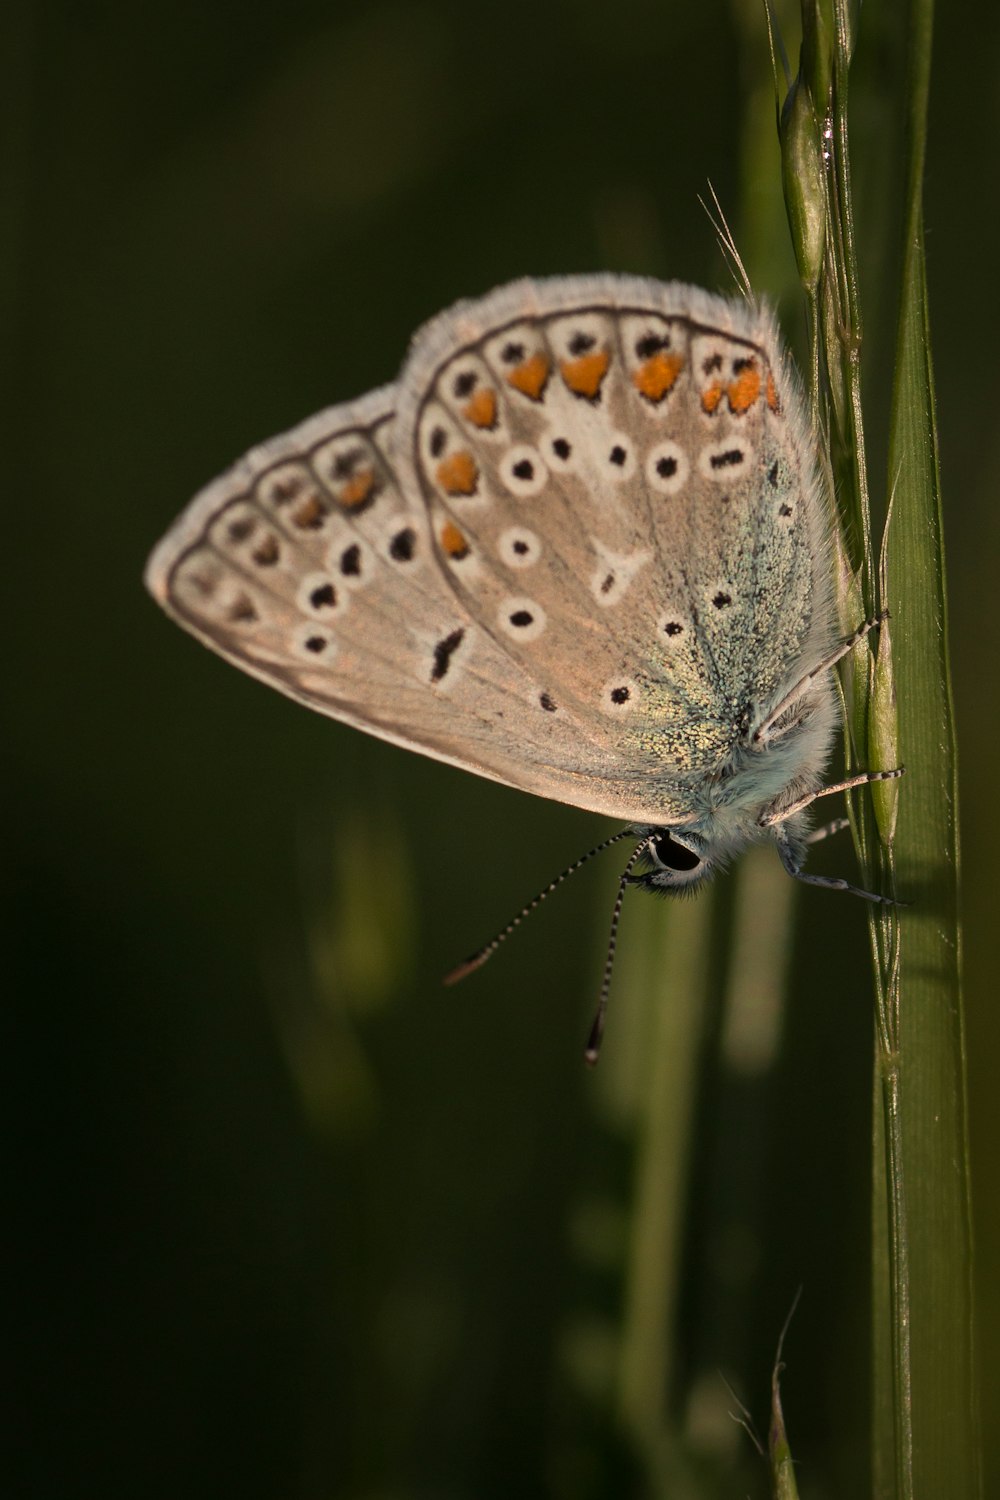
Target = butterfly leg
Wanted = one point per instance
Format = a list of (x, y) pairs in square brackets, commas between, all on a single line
[(817, 835), (792, 861), (863, 778), (764, 731)]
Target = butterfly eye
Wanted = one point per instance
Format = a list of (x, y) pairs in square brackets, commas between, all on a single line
[(672, 855)]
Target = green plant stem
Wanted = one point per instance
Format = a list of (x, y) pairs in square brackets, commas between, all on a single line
[(927, 1108), (892, 1256), (921, 1038), (844, 251)]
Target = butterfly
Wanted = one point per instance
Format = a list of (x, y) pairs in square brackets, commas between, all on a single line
[(579, 547)]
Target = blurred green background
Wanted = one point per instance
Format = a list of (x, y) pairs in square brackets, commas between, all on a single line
[(293, 1220)]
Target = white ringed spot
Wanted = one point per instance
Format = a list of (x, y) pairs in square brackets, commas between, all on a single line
[(314, 644), (401, 539), (519, 547), (620, 696), (672, 626), (619, 457), (559, 450), (321, 596), (522, 471), (522, 619), (667, 467), (722, 462), (349, 560)]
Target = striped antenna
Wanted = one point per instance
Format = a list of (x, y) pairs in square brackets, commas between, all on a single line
[(477, 959)]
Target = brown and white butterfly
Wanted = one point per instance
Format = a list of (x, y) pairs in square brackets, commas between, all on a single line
[(579, 547)]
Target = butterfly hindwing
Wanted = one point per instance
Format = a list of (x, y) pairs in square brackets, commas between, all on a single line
[(618, 479), (573, 548)]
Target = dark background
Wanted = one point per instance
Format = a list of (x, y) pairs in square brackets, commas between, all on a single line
[(294, 1221)]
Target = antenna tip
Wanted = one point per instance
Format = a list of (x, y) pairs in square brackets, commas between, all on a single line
[(467, 966)]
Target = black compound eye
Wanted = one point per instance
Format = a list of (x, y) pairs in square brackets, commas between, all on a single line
[(674, 856)]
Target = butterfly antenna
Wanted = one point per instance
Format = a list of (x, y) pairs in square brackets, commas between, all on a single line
[(476, 960), (597, 1030)]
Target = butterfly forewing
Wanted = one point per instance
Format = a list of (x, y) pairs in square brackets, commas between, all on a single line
[(307, 567)]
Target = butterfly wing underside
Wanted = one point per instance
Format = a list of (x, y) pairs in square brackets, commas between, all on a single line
[(307, 567), (621, 482), (567, 551)]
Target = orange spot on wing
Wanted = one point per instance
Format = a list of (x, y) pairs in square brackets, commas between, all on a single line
[(358, 490), (482, 409), (309, 515), (458, 474), (530, 376), (654, 378), (710, 397), (744, 390), (453, 541), (584, 375), (772, 394)]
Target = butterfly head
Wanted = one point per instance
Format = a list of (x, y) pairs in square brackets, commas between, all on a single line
[(677, 859), (680, 858)]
